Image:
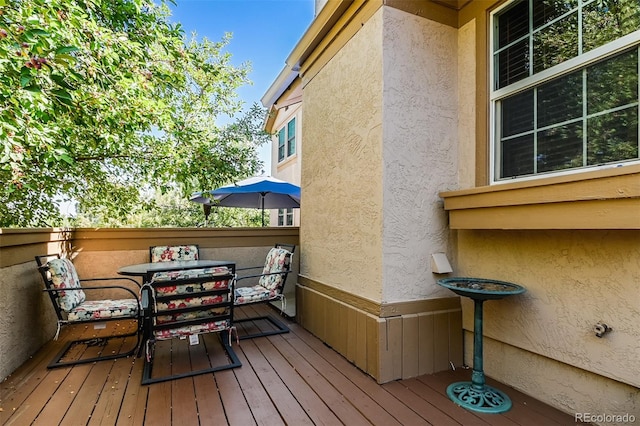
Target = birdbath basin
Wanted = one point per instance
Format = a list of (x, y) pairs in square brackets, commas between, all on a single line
[(476, 395), (479, 288)]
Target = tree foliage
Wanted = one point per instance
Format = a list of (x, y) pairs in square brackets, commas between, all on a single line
[(102, 102), (171, 209)]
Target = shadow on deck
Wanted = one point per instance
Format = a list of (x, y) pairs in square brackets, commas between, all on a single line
[(285, 379)]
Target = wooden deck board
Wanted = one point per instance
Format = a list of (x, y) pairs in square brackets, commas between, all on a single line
[(289, 378), (273, 382), (317, 409), (386, 400), (263, 410), (134, 401), (338, 392)]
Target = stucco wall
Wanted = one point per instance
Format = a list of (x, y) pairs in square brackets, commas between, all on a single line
[(27, 319), (419, 150), (341, 216), (574, 279), (467, 87)]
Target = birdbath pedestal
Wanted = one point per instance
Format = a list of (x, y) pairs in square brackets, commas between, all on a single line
[(476, 395)]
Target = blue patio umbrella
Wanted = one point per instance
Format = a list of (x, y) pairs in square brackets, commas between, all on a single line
[(260, 192)]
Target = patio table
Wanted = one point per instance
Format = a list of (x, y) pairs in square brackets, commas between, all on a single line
[(146, 270)]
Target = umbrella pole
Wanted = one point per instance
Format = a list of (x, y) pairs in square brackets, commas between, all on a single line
[(262, 203)]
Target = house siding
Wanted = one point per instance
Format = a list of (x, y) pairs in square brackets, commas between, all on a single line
[(342, 170)]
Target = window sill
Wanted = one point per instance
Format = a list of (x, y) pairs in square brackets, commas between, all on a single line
[(285, 161), (603, 199)]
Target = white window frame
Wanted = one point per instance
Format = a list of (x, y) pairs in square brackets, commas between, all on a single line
[(564, 68), (286, 216), (287, 140)]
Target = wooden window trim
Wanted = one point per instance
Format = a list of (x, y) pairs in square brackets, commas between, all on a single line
[(602, 199)]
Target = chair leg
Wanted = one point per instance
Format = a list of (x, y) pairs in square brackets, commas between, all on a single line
[(224, 339), (56, 363), (280, 327)]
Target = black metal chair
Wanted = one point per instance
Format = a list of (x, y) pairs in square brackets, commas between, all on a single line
[(188, 303), (71, 306), (171, 253), (270, 287)]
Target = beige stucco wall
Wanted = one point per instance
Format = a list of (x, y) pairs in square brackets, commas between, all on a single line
[(574, 279), (371, 206), (467, 86), (26, 315), (419, 150), (341, 218), (558, 384)]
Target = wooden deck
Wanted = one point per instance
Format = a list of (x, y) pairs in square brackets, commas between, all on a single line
[(286, 379)]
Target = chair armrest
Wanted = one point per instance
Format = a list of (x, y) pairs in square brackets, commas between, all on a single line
[(111, 279), (262, 275), (105, 287), (249, 267)]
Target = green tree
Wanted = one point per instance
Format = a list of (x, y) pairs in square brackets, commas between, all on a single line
[(171, 209), (102, 102)]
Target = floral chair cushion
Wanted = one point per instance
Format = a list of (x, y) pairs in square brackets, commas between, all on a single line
[(64, 276), (188, 330), (171, 253), (191, 315), (257, 293), (278, 260), (104, 309), (191, 273), (188, 303)]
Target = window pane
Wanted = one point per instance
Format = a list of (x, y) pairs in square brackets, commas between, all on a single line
[(281, 143), (291, 128), (560, 148), (517, 157), (570, 118), (513, 64), (560, 100), (613, 83), (291, 132), (555, 43), (517, 114), (606, 21), (513, 23), (613, 137), (545, 11)]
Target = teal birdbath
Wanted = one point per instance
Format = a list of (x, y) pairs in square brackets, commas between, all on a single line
[(476, 395)]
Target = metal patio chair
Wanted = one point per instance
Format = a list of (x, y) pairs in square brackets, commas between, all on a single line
[(270, 287), (185, 304), (69, 298)]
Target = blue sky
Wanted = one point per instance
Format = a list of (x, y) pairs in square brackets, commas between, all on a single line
[(264, 34)]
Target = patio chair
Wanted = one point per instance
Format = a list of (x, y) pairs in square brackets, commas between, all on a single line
[(185, 304), (69, 298), (270, 287), (171, 253)]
